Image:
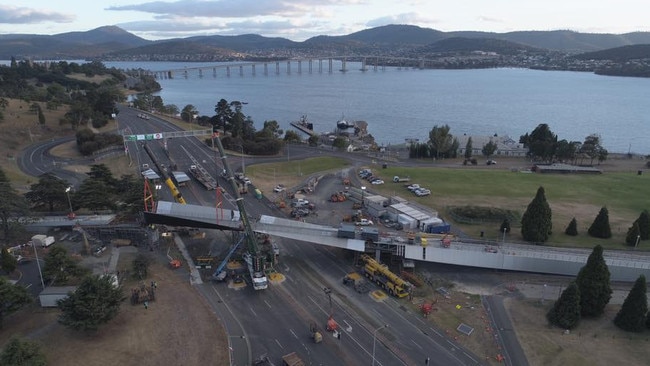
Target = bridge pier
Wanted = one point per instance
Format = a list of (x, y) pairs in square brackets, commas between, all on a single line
[(310, 65), (277, 68), (266, 69), (363, 64), (253, 69), (200, 73), (299, 67), (241, 70), (214, 72), (330, 65), (320, 65), (228, 71), (343, 65)]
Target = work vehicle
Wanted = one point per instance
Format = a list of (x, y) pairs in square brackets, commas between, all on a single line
[(254, 258), (398, 179), (200, 174), (300, 202), (43, 240), (178, 197), (316, 335), (382, 276)]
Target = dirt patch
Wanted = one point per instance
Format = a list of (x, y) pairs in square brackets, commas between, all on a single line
[(178, 328)]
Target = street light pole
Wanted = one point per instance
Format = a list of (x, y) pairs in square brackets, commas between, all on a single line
[(374, 341), (363, 190), (638, 237), (38, 264), (71, 215)]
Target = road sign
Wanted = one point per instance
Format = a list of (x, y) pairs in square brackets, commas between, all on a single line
[(157, 136)]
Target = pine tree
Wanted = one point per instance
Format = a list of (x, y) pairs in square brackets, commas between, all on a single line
[(633, 233), (505, 226), (95, 302), (468, 149), (566, 310), (644, 225), (594, 285), (632, 316), (600, 227), (572, 229), (22, 353), (536, 222)]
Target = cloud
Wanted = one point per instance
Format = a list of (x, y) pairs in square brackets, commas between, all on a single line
[(216, 8), (404, 18), (21, 15)]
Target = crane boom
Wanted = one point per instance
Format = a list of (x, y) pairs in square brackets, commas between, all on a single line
[(254, 259), (168, 180)]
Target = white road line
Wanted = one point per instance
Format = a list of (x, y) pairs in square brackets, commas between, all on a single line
[(267, 304), (252, 311)]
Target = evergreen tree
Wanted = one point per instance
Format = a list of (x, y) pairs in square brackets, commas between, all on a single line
[(8, 262), (633, 234), (572, 229), (565, 313), (593, 283), (95, 302), (12, 204), (644, 225), (22, 353), (12, 298), (536, 225), (505, 226), (632, 316), (600, 227), (60, 267)]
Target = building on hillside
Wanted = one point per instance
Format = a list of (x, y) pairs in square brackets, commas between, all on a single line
[(506, 146)]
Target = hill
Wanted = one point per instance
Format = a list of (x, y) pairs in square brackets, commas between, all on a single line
[(112, 43)]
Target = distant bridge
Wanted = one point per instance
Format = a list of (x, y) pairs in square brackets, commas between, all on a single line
[(297, 65)]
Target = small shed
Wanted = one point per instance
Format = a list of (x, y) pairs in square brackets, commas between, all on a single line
[(50, 295)]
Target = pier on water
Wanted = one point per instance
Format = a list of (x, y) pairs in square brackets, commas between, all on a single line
[(299, 66)]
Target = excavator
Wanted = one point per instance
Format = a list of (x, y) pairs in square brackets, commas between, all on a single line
[(254, 258)]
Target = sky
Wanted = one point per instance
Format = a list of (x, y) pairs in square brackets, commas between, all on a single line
[(299, 20)]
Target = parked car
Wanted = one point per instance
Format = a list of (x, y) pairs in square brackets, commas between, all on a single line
[(422, 192), (377, 181), (365, 222), (279, 188), (491, 162), (413, 187)]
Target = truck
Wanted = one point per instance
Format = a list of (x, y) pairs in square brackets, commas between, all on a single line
[(202, 176), (292, 359), (383, 277), (43, 240), (398, 179)]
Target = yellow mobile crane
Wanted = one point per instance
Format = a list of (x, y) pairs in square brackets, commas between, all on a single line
[(166, 177), (380, 274), (255, 260)]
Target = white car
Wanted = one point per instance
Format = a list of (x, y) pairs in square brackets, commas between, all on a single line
[(279, 188), (247, 181), (365, 222), (413, 187), (377, 181), (422, 192)]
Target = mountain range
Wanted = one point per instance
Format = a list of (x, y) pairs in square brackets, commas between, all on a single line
[(114, 43)]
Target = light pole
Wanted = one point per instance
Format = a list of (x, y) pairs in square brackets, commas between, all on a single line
[(638, 237), (543, 293), (38, 264), (71, 215), (363, 190), (374, 341), (504, 234)]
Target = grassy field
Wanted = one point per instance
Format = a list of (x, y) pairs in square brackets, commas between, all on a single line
[(623, 192)]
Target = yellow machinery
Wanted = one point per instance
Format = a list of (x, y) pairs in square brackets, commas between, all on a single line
[(382, 276)]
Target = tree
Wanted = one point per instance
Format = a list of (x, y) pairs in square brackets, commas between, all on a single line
[(633, 234), (313, 140), (541, 142), (468, 149), (11, 204), (566, 151), (594, 285), (536, 224), (12, 298), (572, 229), (95, 302), (188, 113), (22, 353), (505, 226), (340, 143), (644, 225), (8, 262), (224, 114), (632, 315), (600, 227), (441, 140), (49, 191), (565, 313), (41, 116), (291, 137), (489, 149), (592, 149), (60, 267)]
